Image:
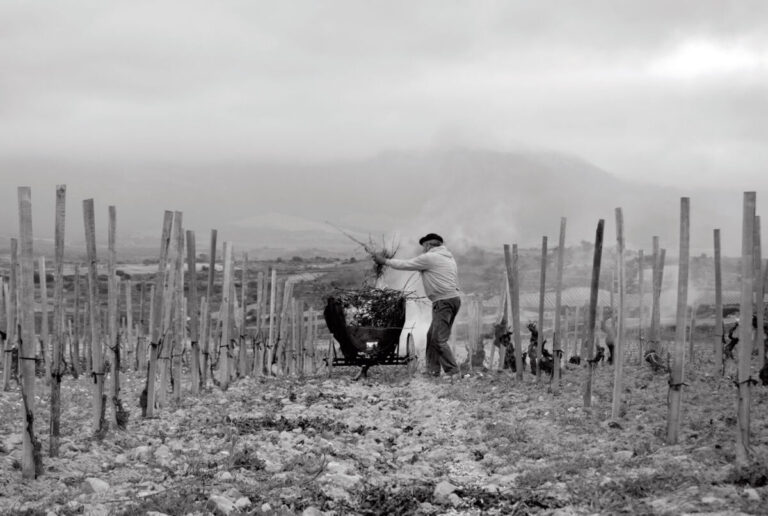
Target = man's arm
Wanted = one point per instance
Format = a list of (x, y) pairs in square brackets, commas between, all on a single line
[(419, 263)]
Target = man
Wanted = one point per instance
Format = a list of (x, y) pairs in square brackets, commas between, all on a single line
[(439, 275)]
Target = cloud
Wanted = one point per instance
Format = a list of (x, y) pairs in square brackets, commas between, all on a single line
[(658, 90)]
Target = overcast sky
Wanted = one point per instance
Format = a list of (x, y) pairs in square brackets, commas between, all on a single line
[(668, 92)]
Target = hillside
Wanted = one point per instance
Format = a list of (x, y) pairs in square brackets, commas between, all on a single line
[(473, 197)]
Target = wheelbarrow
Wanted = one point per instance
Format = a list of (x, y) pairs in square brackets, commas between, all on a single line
[(366, 346)]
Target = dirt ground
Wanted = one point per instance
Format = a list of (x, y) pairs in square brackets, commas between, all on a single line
[(397, 444)]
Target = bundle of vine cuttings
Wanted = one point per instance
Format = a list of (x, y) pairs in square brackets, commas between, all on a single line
[(387, 251), (374, 307)]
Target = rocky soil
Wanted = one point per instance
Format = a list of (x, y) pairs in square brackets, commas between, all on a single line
[(396, 444)]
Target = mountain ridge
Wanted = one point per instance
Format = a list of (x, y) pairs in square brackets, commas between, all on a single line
[(470, 196)]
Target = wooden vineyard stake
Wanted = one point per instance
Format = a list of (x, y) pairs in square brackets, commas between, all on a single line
[(296, 322), (258, 341), (259, 346), (224, 312), (718, 341), (179, 320), (6, 314), (76, 327), (275, 361), (87, 328), (207, 316), (3, 316), (299, 336), (256, 333), (744, 376), (316, 338), (31, 459), (293, 362), (759, 294), (542, 294), (306, 334), (131, 336), (507, 315), (151, 323), (502, 318), (243, 360), (13, 286), (641, 306), (168, 296), (618, 361), (592, 316), (234, 325), (566, 342), (204, 321), (498, 318), (120, 325), (288, 338), (45, 336), (156, 335), (654, 347), (471, 332), (612, 308), (282, 336), (141, 326), (123, 336), (763, 281), (263, 322), (557, 351), (69, 335), (11, 317), (302, 339), (311, 337), (272, 306), (97, 362), (508, 353), (662, 261), (511, 263), (676, 373), (147, 293), (119, 416), (57, 353), (192, 309), (478, 326), (234, 321)]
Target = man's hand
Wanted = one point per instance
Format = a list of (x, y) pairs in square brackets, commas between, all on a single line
[(379, 258)]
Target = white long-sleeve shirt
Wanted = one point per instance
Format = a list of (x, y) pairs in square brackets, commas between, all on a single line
[(439, 273)]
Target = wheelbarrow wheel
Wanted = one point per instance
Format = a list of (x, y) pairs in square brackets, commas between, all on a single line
[(410, 350)]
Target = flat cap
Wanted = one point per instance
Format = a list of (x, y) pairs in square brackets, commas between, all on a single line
[(430, 236)]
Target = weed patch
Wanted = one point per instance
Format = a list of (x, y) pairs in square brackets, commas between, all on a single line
[(184, 500), (397, 501), (754, 475), (253, 425)]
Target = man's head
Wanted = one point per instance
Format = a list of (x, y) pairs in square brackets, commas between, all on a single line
[(430, 240)]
